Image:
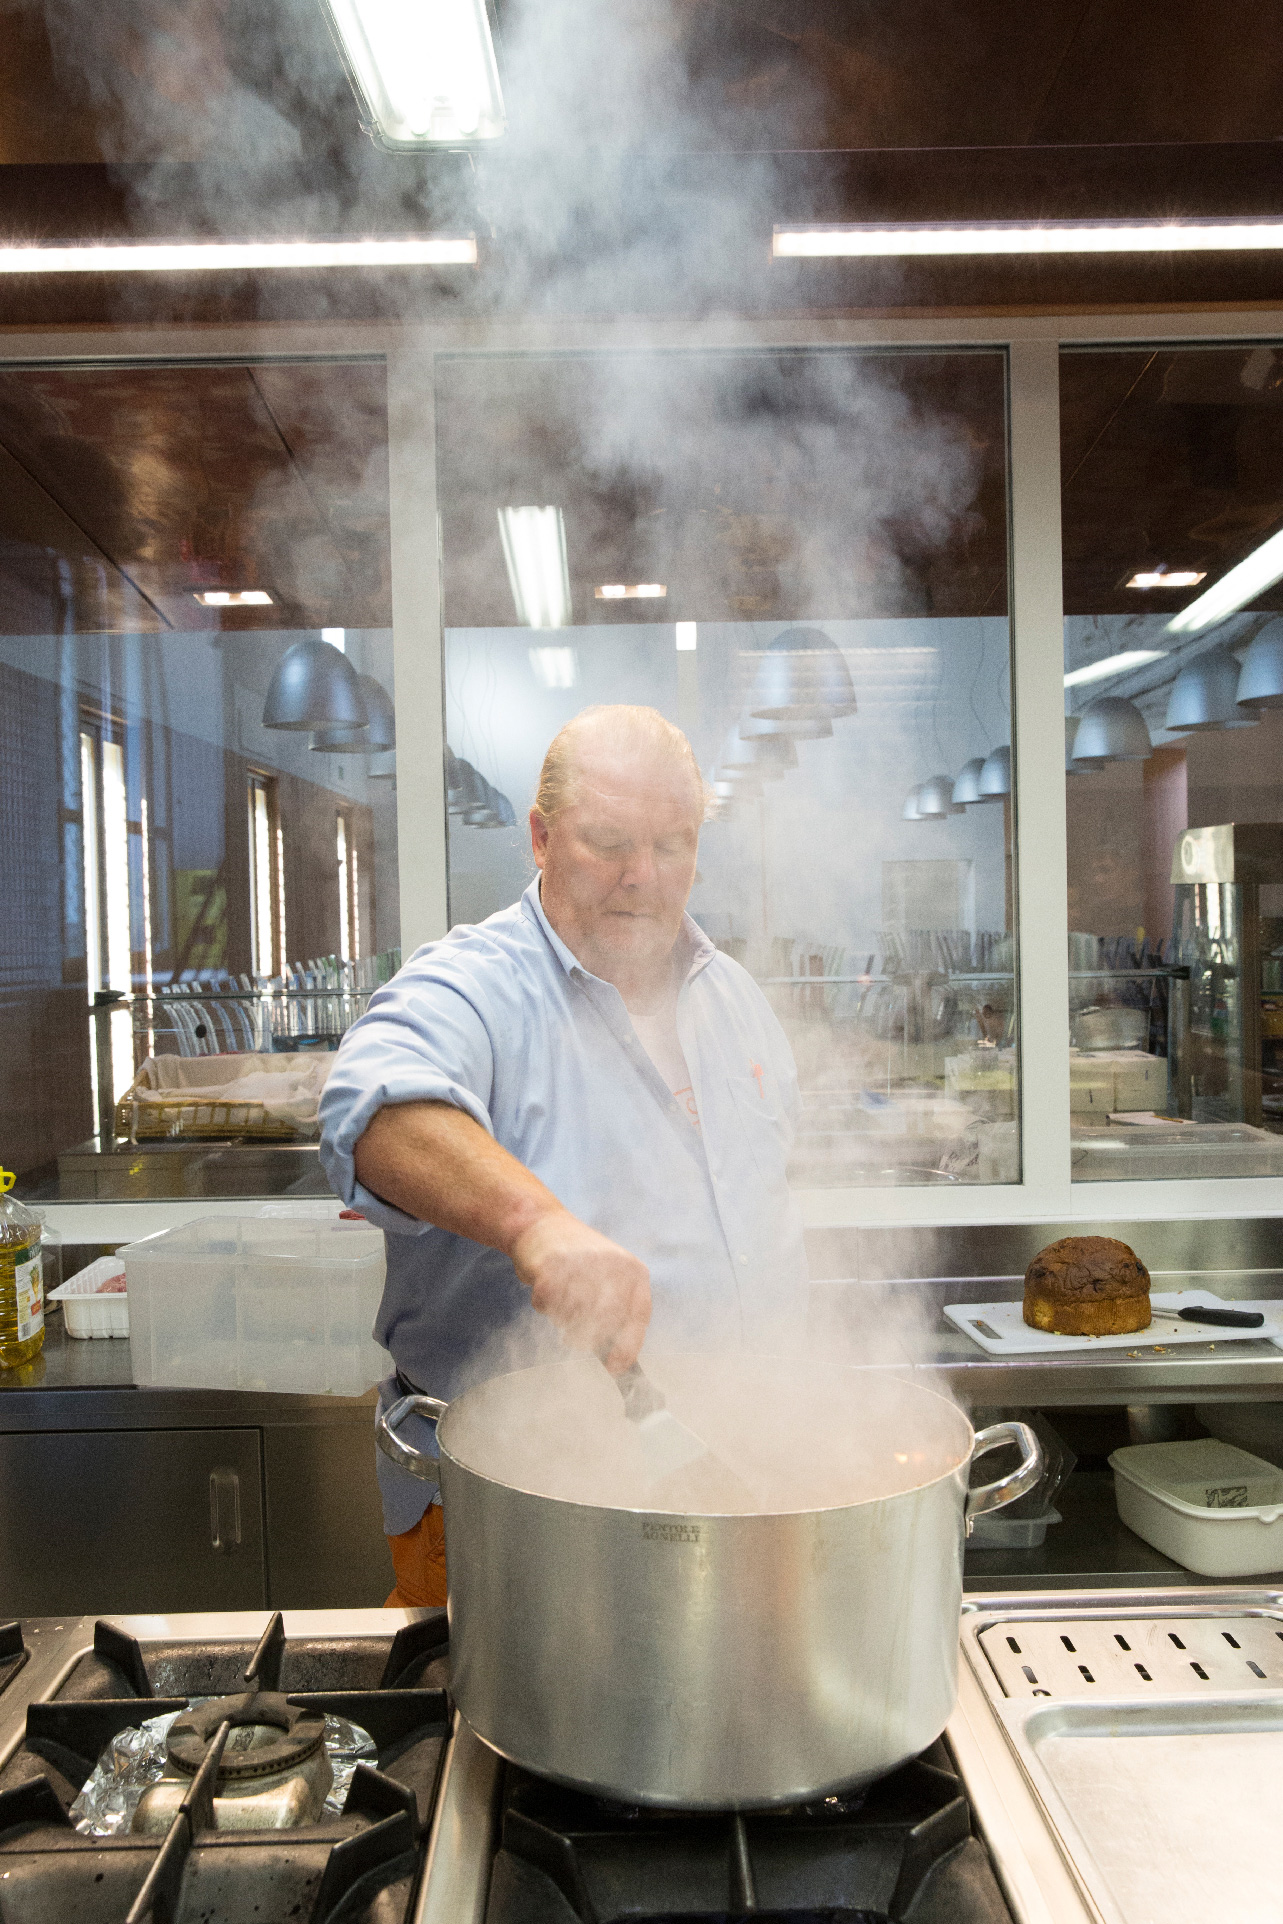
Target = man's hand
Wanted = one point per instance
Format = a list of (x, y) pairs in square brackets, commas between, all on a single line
[(596, 1293), (436, 1163)]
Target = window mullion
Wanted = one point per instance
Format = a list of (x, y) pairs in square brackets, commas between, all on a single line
[(1038, 707)]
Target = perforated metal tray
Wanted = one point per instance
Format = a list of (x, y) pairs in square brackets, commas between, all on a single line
[(1150, 1731)]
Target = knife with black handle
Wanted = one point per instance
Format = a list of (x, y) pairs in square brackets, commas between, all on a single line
[(1223, 1318)]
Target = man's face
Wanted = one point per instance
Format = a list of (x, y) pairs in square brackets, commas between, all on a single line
[(619, 863)]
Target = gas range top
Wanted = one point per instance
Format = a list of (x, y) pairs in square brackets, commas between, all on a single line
[(233, 1815), (1019, 1816)]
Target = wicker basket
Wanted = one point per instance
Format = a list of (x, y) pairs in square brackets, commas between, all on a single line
[(158, 1107)]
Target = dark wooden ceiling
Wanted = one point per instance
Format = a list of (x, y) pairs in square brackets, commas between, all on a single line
[(1172, 458), (149, 485), (755, 487), (153, 79)]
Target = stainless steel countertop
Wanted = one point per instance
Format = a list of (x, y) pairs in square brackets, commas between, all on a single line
[(1053, 1870), (896, 1325), (900, 1324)]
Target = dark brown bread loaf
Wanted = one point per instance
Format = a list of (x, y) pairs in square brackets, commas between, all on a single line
[(1087, 1286)]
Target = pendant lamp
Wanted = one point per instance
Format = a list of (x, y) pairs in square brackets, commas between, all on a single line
[(1260, 681), (1112, 729), (801, 677), (967, 787), (909, 813), (383, 767), (767, 756), (374, 739), (935, 799), (753, 729), (1205, 693), (995, 776), (315, 686)]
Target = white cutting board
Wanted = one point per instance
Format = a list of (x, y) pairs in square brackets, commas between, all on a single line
[(1001, 1328)]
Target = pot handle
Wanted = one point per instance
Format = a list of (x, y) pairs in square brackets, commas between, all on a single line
[(1018, 1482), (403, 1454)]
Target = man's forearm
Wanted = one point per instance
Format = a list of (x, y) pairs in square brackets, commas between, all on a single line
[(435, 1163)]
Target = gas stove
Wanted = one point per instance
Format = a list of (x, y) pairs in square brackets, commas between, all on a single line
[(238, 1726), (1022, 1814)]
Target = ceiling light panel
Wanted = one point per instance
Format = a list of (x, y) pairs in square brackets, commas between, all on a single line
[(1112, 665), (863, 240), (423, 70), (632, 591), (234, 598), (555, 667), (534, 549), (1168, 578), (1252, 576), (182, 257)]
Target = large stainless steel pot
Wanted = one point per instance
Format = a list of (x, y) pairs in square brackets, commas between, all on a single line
[(707, 1661)]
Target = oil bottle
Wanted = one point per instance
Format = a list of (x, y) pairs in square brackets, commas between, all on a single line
[(22, 1296)]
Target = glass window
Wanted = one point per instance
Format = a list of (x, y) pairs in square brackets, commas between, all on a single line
[(1173, 577), (699, 532), (195, 685)]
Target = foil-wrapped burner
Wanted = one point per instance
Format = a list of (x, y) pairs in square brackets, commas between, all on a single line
[(137, 1763)]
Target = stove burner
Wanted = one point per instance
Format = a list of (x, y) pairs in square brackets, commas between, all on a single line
[(269, 1737), (900, 1850)]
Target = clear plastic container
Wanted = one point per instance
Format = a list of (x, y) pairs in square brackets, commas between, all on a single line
[(252, 1303), (22, 1298)]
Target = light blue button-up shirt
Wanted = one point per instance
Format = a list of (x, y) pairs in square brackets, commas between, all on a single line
[(502, 1021)]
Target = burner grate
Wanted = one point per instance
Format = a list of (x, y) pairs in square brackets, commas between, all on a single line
[(1135, 1657), (361, 1865), (901, 1850)]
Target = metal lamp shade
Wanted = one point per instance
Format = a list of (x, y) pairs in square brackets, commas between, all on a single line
[(765, 756), (1112, 729), (753, 729), (967, 787), (1205, 694), (935, 799), (995, 776), (1260, 681), (315, 686), (801, 677), (466, 793), (375, 739)]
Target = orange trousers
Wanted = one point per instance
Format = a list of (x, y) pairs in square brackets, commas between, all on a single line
[(418, 1557)]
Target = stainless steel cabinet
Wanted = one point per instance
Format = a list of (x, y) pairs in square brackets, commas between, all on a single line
[(131, 1520), (326, 1547)]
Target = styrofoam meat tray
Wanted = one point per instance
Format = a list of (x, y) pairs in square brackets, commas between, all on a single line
[(1000, 1328)]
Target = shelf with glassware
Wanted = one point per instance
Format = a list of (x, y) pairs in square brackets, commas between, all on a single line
[(222, 1058)]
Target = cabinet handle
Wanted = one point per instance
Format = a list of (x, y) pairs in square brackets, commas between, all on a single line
[(224, 1510)]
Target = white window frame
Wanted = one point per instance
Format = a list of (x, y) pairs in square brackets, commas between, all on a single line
[(1045, 1192)]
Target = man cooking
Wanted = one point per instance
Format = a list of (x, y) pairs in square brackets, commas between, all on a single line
[(573, 1119)]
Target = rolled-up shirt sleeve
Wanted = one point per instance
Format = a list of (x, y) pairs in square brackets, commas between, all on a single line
[(421, 1040)]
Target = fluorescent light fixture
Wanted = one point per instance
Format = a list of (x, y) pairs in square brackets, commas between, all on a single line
[(337, 638), (181, 257), (534, 549), (1113, 665), (234, 598), (555, 667), (423, 70), (863, 240), (1169, 578), (687, 637), (634, 591), (1261, 569)]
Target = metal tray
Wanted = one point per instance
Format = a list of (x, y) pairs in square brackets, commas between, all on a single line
[(1150, 1731)]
